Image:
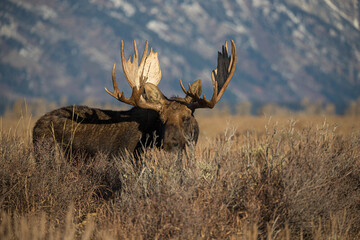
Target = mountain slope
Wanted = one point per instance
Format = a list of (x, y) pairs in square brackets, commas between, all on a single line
[(287, 50)]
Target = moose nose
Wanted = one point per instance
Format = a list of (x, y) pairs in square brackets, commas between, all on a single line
[(173, 140), (173, 145)]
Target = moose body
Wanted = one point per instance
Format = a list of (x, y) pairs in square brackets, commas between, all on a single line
[(153, 121), (87, 129)]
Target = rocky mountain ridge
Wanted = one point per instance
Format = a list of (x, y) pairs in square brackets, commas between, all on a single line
[(287, 50)]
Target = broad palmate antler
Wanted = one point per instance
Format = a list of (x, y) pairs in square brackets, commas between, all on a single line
[(137, 75), (221, 77)]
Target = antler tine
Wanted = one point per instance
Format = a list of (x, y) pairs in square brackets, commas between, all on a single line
[(116, 92), (144, 54), (182, 87), (120, 96), (136, 55)]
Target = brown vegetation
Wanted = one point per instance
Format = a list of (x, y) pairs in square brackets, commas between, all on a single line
[(253, 177)]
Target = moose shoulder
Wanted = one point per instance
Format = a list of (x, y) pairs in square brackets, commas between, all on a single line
[(153, 121)]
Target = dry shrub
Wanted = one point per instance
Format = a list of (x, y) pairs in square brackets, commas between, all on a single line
[(306, 180), (283, 183), (30, 187), (322, 177)]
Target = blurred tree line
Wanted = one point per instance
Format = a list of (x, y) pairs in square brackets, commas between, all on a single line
[(354, 108), (39, 106)]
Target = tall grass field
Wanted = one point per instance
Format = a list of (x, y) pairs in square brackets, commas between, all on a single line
[(293, 177)]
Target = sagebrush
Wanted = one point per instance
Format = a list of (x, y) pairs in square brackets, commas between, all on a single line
[(286, 180)]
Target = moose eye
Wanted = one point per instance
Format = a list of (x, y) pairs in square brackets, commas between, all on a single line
[(185, 119)]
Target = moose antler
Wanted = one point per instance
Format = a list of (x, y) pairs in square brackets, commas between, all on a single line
[(148, 71), (136, 93), (221, 77)]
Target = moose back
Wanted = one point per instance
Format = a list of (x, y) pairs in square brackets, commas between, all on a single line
[(154, 120)]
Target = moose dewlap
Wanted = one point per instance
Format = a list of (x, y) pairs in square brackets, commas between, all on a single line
[(155, 120)]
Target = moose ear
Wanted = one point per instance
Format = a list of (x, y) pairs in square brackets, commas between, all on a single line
[(196, 88), (153, 94)]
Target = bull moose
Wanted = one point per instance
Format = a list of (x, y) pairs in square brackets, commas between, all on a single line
[(154, 120)]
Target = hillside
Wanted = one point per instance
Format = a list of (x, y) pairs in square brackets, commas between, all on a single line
[(287, 50)]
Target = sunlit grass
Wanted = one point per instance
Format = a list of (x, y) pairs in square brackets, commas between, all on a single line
[(248, 177)]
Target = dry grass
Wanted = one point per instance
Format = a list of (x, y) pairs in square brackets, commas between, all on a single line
[(248, 178)]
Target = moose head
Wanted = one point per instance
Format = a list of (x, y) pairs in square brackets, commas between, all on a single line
[(176, 114)]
